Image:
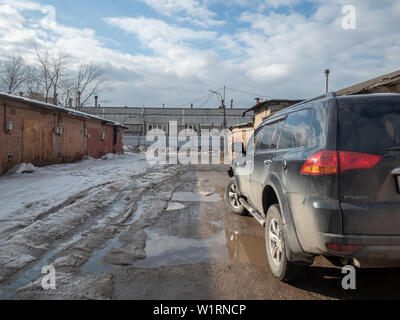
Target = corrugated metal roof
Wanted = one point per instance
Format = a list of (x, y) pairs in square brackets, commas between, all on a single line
[(164, 111), (363, 87), (50, 106), (270, 103)]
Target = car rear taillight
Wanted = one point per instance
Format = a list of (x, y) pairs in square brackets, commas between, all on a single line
[(356, 160), (347, 248), (327, 162), (322, 163)]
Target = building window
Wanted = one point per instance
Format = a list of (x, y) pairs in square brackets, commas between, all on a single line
[(158, 127)]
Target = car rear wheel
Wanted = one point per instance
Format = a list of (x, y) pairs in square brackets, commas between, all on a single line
[(276, 247), (232, 197)]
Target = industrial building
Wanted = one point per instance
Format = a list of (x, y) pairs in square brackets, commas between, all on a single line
[(42, 134), (140, 121)]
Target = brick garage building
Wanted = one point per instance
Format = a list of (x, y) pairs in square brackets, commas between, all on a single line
[(44, 134)]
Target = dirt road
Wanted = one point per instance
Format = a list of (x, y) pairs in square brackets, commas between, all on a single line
[(171, 237)]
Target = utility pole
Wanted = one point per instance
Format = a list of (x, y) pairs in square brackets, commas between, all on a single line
[(223, 104), (224, 93), (225, 124)]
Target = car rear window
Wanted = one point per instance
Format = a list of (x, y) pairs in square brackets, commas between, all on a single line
[(372, 127), (301, 128)]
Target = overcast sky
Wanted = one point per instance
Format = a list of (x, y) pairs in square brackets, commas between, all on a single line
[(173, 51)]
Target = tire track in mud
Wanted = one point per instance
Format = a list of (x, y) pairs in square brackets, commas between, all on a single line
[(82, 240), (26, 222)]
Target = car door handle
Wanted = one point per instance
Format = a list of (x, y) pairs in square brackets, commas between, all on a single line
[(267, 162), (284, 165)]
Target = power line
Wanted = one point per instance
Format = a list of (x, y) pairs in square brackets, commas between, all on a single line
[(206, 101), (250, 94), (196, 100), (190, 102)]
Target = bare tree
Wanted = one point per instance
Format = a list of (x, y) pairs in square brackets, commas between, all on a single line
[(43, 68), (33, 83), (51, 73), (57, 71), (52, 67), (66, 92), (12, 74), (88, 83)]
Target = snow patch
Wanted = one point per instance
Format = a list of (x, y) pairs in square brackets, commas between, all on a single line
[(109, 156), (21, 168), (175, 206)]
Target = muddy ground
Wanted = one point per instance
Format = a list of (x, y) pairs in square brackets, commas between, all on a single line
[(167, 235)]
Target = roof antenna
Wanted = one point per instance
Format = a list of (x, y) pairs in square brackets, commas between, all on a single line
[(327, 71)]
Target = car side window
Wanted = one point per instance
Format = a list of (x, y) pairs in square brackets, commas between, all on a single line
[(253, 142), (270, 137), (297, 130)]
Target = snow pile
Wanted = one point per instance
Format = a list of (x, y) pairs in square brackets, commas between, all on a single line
[(85, 158), (109, 156), (137, 149), (21, 168)]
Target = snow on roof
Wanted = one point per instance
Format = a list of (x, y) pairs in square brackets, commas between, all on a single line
[(41, 104)]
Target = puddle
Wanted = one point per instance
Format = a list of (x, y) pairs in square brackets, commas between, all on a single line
[(246, 249), (95, 264), (175, 206), (194, 197), (224, 246), (170, 250), (35, 272)]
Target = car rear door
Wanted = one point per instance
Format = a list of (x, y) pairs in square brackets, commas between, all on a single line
[(369, 161), (263, 158), (245, 167)]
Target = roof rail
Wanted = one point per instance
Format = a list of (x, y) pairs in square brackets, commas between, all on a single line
[(322, 96)]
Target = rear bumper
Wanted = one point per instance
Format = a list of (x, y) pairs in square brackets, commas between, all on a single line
[(374, 251)]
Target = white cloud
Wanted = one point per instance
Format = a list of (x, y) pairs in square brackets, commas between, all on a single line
[(187, 10), (153, 30), (281, 55), (268, 72), (170, 43), (279, 3)]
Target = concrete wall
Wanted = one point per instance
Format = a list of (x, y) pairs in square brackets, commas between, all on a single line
[(139, 119), (34, 138), (136, 141)]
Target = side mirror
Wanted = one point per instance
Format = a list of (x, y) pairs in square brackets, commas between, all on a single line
[(238, 147)]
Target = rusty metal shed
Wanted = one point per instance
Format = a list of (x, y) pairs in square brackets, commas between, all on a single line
[(42, 134)]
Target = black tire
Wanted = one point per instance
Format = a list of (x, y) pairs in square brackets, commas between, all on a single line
[(278, 264), (233, 202)]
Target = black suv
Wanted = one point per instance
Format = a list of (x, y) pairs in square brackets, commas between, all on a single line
[(323, 177)]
